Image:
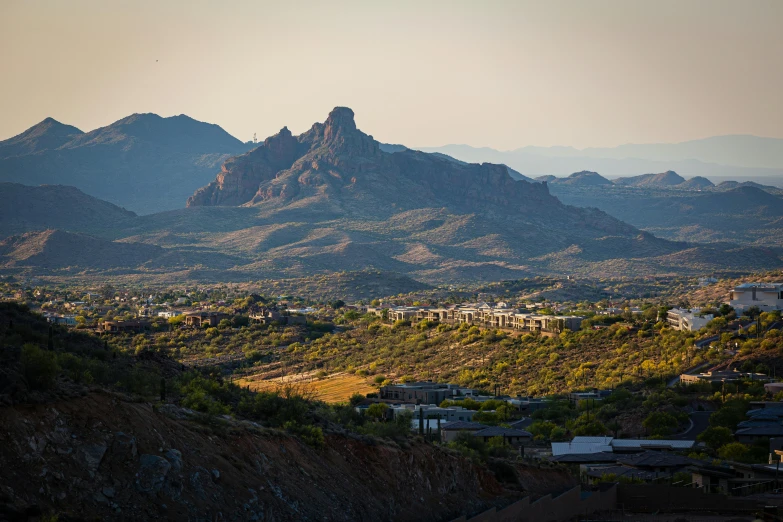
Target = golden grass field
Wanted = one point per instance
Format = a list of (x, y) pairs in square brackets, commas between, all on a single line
[(335, 388)]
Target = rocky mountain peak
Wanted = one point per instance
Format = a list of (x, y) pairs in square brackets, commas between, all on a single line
[(339, 122)]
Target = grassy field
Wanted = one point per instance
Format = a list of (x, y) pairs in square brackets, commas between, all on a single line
[(334, 388)]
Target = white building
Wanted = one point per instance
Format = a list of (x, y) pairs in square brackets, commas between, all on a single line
[(168, 314), (687, 320), (767, 296)]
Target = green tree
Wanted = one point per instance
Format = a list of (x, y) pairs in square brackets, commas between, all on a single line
[(733, 451), (660, 423), (377, 411), (716, 436), (39, 367)]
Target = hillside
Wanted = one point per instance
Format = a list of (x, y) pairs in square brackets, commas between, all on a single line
[(26, 209), (54, 249), (663, 179), (743, 215), (144, 162), (584, 178), (49, 134), (100, 442)]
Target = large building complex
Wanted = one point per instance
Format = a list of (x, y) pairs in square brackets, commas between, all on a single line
[(486, 316)]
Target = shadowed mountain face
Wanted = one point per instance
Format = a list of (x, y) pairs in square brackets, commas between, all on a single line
[(143, 162), (24, 209)]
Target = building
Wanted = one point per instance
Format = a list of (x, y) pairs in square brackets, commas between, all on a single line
[(484, 315), (450, 430), (588, 445), (687, 320), (425, 392), (168, 314), (137, 325), (722, 375), (202, 318), (67, 320), (509, 435), (767, 296)]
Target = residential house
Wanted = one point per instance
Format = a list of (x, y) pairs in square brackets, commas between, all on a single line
[(200, 319), (136, 325), (767, 296), (509, 435), (687, 320), (449, 431)]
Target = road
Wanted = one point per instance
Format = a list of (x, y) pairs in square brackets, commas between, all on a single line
[(700, 421), (696, 369)]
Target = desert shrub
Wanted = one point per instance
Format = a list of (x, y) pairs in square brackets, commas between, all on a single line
[(39, 367)]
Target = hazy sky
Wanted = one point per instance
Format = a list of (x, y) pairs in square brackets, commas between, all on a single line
[(489, 73)]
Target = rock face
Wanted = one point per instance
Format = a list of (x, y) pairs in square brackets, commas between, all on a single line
[(183, 472), (336, 168)]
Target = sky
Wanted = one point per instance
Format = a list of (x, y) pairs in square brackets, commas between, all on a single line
[(421, 73)]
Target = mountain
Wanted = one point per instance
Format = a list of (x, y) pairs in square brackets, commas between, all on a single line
[(584, 178), (25, 209), (55, 249), (664, 179), (740, 150), (332, 201), (143, 162), (743, 215), (49, 134), (696, 183), (561, 161)]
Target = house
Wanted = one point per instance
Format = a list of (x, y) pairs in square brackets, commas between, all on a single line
[(67, 320), (587, 445), (426, 392), (722, 375), (137, 325), (168, 314), (767, 296), (509, 435), (450, 430), (687, 320), (200, 319), (649, 466), (749, 435)]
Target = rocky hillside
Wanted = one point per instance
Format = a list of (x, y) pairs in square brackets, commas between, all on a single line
[(84, 448), (143, 162)]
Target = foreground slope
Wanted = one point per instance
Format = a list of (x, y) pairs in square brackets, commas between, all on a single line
[(142, 162)]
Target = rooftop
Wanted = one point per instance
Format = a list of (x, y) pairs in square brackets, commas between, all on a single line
[(497, 431), (463, 425)]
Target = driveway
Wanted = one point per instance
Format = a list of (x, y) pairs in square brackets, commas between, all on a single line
[(700, 421)]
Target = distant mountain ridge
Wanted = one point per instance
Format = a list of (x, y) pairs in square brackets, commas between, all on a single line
[(143, 162), (725, 158)]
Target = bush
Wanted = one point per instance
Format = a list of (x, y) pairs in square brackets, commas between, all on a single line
[(733, 451), (716, 436), (311, 435), (39, 367)]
